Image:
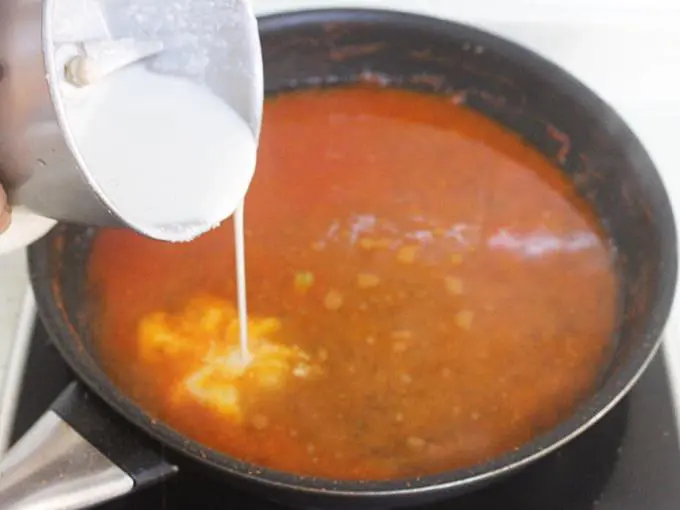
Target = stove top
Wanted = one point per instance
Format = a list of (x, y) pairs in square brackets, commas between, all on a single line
[(630, 460)]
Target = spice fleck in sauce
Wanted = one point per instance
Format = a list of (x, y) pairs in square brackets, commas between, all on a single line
[(425, 292)]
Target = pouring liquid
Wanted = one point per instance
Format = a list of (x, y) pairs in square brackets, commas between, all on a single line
[(242, 302)]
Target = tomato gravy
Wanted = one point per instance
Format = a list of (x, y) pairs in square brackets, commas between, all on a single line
[(444, 289)]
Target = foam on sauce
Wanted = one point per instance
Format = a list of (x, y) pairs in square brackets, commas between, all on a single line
[(425, 292)]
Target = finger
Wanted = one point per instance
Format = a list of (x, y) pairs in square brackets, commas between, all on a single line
[(5, 219), (5, 212)]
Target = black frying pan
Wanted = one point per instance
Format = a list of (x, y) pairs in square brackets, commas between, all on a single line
[(534, 98)]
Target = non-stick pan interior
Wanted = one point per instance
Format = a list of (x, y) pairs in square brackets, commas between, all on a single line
[(531, 97)]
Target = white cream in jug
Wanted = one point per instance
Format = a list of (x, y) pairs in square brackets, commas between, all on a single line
[(167, 154)]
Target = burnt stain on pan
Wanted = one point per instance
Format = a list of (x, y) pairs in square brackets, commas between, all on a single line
[(433, 81), (564, 143), (354, 50)]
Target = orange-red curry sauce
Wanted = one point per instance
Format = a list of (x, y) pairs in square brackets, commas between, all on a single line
[(456, 293)]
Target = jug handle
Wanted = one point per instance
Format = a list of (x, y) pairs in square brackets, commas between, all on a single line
[(78, 454)]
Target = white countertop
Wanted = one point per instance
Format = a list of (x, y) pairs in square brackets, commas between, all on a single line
[(628, 51), (13, 288)]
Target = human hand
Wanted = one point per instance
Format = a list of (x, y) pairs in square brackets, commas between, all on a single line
[(5, 212)]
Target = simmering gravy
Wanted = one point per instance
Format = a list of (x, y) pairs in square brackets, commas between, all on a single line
[(425, 292)]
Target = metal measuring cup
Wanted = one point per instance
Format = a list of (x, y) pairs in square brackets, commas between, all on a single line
[(213, 43)]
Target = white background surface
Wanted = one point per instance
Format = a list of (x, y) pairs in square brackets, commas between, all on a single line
[(628, 51)]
